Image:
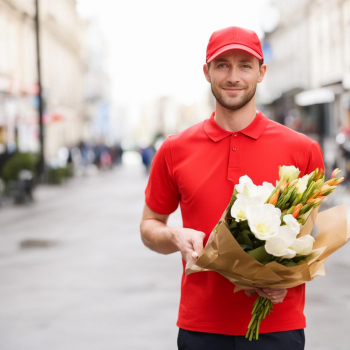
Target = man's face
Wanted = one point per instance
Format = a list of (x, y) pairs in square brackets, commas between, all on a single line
[(233, 77)]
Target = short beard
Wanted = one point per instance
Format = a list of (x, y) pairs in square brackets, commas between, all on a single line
[(235, 107)]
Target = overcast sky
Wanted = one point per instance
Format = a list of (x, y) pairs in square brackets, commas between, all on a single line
[(157, 47)]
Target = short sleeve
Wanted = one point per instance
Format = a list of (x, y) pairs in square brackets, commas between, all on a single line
[(161, 193), (315, 158)]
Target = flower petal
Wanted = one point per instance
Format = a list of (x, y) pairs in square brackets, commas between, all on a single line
[(264, 220), (303, 245), (292, 223)]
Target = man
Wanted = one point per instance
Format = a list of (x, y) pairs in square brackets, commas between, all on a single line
[(199, 168)]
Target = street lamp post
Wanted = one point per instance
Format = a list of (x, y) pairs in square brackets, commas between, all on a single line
[(41, 165)]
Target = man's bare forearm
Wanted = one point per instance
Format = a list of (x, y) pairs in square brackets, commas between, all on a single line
[(157, 236), (163, 239)]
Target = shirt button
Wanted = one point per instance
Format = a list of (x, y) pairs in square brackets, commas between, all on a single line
[(233, 149), (235, 135)]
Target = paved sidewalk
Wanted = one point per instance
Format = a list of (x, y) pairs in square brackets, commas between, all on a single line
[(75, 275)]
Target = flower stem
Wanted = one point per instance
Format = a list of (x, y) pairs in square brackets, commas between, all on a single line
[(261, 308)]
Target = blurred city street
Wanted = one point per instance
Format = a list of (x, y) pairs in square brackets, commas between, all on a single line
[(75, 275)]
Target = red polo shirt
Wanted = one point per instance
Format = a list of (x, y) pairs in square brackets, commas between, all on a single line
[(199, 168)]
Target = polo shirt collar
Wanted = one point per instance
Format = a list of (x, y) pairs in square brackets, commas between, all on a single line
[(253, 130)]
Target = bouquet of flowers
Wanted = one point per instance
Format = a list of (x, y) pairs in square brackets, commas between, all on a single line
[(272, 228)]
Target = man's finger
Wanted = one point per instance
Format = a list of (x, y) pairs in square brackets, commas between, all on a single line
[(250, 292), (274, 290), (276, 296), (275, 293), (197, 244), (265, 295), (195, 255)]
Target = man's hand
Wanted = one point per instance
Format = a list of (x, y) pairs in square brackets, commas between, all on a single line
[(250, 292), (163, 239), (274, 294), (189, 242)]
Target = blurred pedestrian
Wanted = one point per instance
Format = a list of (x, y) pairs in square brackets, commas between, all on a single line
[(199, 168), (147, 155), (343, 159), (2, 190), (106, 160)]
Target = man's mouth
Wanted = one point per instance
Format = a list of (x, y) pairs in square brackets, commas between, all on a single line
[(232, 89)]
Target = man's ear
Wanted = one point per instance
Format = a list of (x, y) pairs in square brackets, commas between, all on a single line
[(262, 72), (206, 72)]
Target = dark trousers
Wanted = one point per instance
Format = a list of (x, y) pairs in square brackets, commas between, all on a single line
[(290, 340)]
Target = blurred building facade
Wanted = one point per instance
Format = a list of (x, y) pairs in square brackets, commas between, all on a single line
[(17, 75), (99, 125), (166, 116), (68, 77), (307, 84)]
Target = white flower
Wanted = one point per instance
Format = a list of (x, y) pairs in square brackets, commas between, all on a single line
[(292, 223), (302, 183), (303, 245), (280, 244), (264, 191), (246, 186), (250, 190), (239, 208), (288, 173), (264, 220)]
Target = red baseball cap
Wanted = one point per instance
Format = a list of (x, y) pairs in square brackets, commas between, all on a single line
[(234, 38)]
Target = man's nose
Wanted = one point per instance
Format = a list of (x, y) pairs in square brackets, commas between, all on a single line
[(233, 76)]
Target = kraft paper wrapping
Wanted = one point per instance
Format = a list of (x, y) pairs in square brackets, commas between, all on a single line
[(224, 255)]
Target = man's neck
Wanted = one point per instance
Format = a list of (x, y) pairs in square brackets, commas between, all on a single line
[(235, 120)]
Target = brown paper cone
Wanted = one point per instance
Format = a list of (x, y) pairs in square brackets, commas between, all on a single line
[(224, 255)]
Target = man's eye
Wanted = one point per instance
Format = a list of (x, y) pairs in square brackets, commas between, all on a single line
[(222, 65), (246, 66)]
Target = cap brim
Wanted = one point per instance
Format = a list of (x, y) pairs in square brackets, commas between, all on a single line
[(234, 47)]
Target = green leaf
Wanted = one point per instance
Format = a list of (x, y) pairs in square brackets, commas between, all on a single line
[(235, 232), (244, 240), (233, 224), (252, 237), (261, 255), (245, 247), (257, 243), (298, 258), (243, 225), (289, 263)]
